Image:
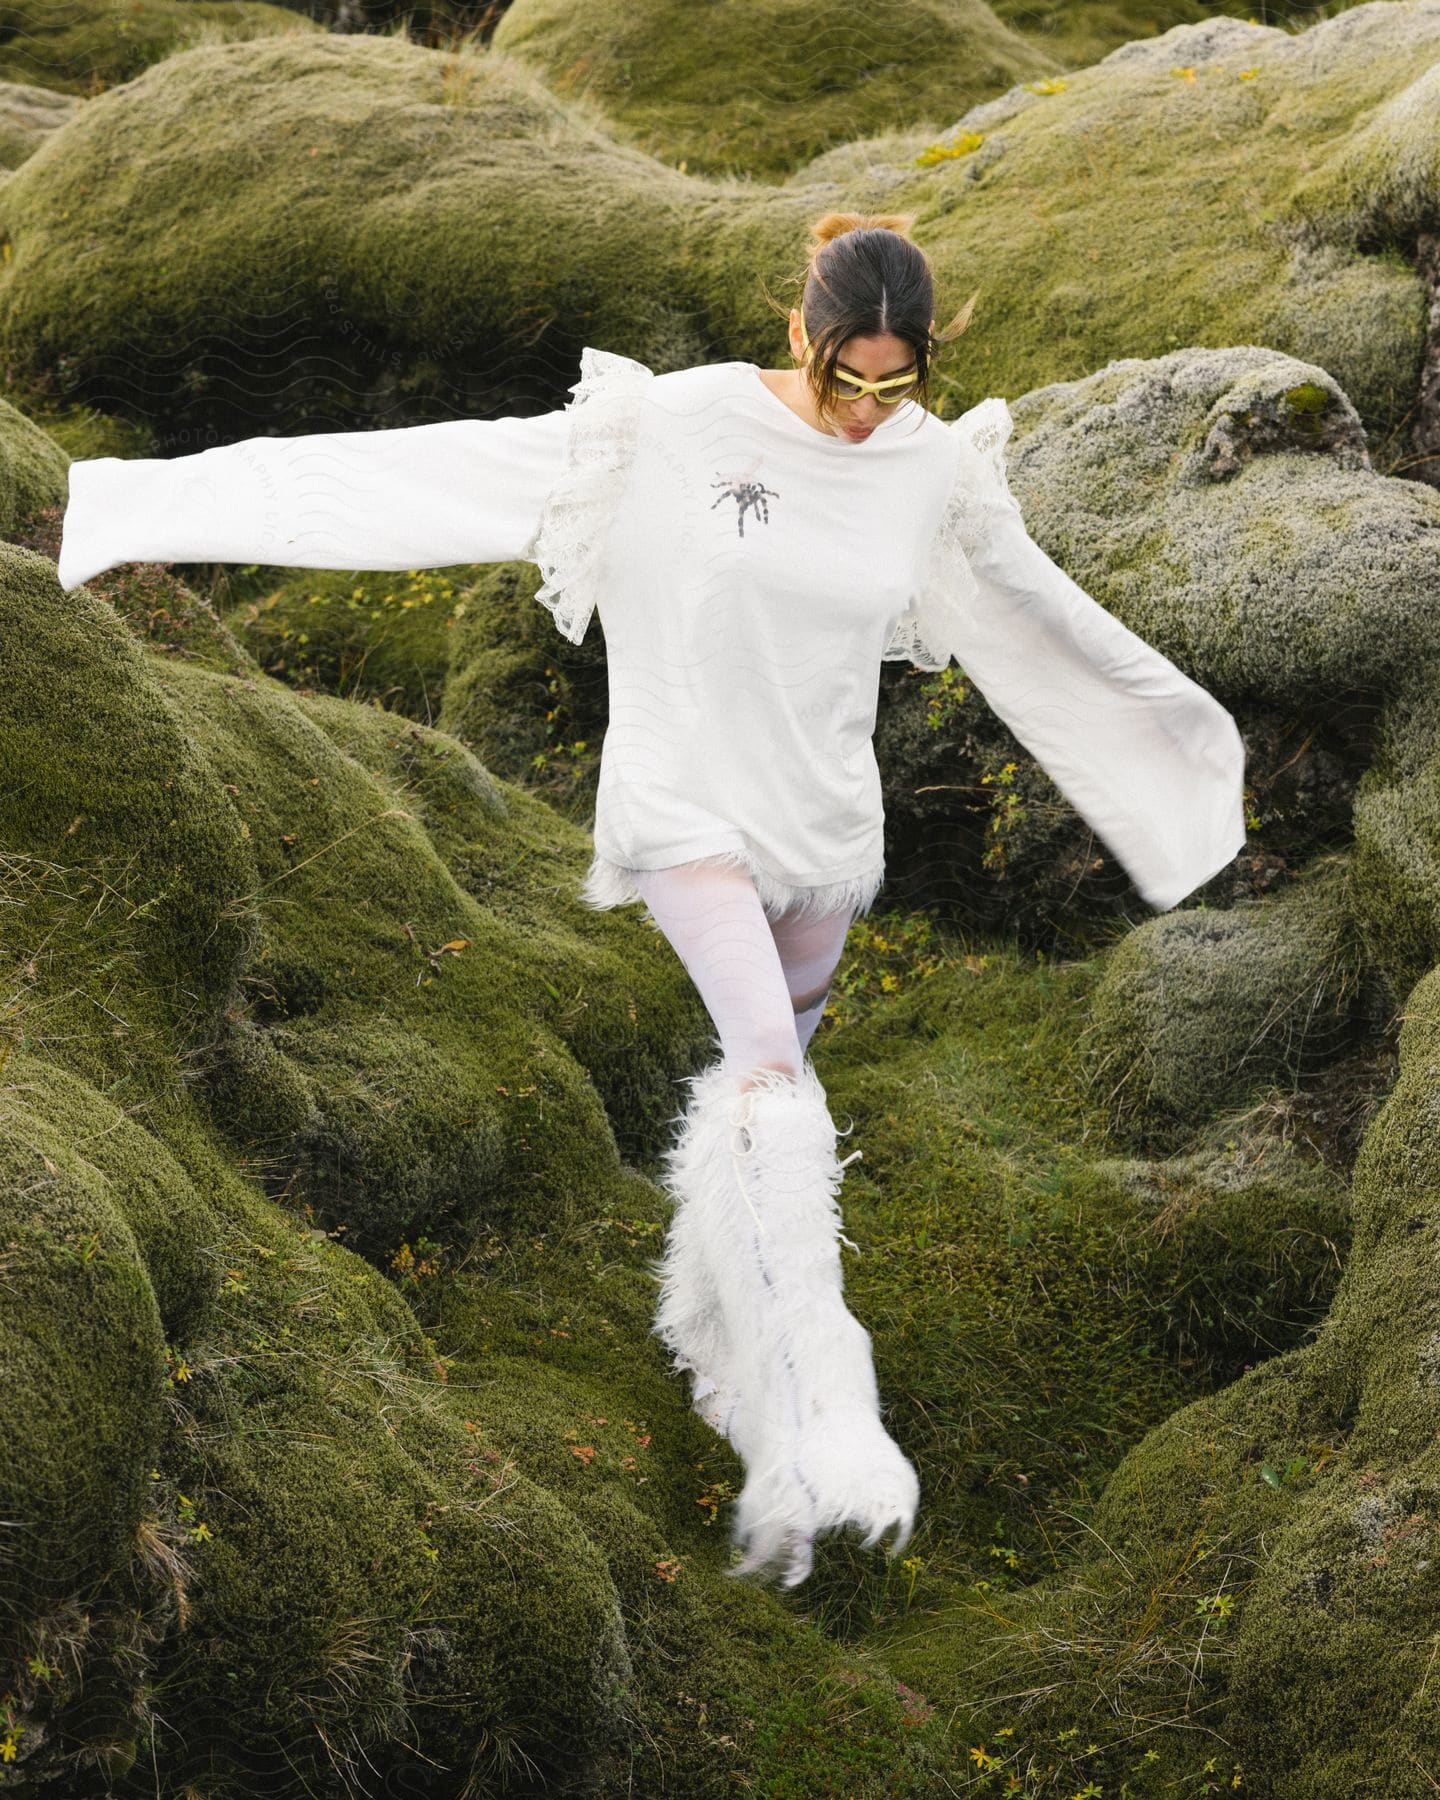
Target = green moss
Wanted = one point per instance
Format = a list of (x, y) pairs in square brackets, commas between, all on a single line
[(82, 1341), (27, 117), (784, 90), (1307, 401), (1038, 1303), (1396, 868), (1264, 1542), (89, 46), (127, 865), (303, 1534), (362, 635), (276, 958), (1200, 1007), (327, 117), (1113, 149), (35, 466)]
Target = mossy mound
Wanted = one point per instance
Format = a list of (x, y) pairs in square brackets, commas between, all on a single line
[(258, 946), (466, 649), (103, 1260), (349, 160), (780, 87), (1267, 1544), (1396, 877), (87, 46), (1221, 503), (1200, 1007), (276, 960), (125, 853), (1242, 257), (87, 431), (1038, 1303), (495, 175), (363, 635), (32, 470), (1079, 36), (353, 1513), (28, 115), (761, 86), (294, 1542), (404, 1010)]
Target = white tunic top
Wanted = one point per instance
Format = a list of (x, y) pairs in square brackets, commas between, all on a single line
[(751, 573)]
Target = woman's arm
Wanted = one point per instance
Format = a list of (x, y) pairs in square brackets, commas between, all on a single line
[(1150, 760), (410, 497)]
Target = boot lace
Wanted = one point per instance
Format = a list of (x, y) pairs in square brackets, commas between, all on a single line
[(741, 1144)]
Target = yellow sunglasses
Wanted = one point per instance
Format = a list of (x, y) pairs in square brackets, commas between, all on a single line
[(850, 386)]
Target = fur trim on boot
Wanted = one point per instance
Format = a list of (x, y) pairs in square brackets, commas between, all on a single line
[(688, 1320), (756, 1299)]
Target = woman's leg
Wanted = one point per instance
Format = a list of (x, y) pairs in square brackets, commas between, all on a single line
[(713, 920), (764, 981), (751, 1289), (810, 949)]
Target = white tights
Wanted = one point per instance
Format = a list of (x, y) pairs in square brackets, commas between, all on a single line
[(764, 981)]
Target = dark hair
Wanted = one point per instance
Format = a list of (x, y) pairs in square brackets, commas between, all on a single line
[(865, 277)]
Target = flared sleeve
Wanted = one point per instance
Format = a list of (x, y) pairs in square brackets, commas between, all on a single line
[(536, 489), (603, 420), (408, 497), (1153, 763)]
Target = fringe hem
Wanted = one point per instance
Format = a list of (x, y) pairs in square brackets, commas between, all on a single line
[(608, 884)]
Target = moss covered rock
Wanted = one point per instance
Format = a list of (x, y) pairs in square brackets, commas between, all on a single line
[(278, 1530), (1201, 1006), (1396, 876), (780, 86), (32, 469), (496, 175), (281, 968), (1267, 1542), (348, 159), (1238, 258), (28, 114), (761, 86), (1222, 504), (86, 46)]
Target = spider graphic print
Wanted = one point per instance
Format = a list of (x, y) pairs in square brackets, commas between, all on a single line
[(748, 495)]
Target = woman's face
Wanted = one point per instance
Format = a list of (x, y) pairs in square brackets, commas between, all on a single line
[(872, 359)]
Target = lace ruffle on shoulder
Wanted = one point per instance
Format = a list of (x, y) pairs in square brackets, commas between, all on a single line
[(599, 453), (926, 635)]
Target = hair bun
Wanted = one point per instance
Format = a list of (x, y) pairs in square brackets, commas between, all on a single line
[(836, 224)]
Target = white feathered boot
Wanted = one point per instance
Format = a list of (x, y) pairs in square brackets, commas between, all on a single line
[(688, 1320), (756, 1302)]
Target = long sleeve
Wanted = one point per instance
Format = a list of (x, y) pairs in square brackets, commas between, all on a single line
[(541, 489), (1150, 760), (411, 497)]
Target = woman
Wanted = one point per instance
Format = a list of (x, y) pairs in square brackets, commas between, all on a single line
[(757, 542)]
